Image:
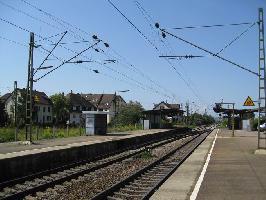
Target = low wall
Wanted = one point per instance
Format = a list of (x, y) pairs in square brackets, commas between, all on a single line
[(11, 168)]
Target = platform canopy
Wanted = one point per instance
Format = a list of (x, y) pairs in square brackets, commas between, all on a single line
[(218, 109)]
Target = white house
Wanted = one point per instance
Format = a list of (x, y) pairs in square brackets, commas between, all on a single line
[(78, 104), (43, 106), (106, 102)]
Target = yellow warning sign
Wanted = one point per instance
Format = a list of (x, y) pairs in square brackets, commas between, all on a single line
[(249, 102)]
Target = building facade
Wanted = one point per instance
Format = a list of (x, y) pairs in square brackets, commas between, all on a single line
[(110, 103), (42, 106), (78, 104)]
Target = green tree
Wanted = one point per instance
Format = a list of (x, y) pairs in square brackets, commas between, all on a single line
[(198, 119), (60, 107), (129, 114)]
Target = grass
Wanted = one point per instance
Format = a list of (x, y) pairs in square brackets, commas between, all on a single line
[(147, 154), (7, 134), (123, 128)]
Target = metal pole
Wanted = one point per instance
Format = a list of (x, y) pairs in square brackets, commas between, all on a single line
[(29, 91), (259, 126), (262, 76), (187, 107), (115, 103), (233, 121), (15, 108)]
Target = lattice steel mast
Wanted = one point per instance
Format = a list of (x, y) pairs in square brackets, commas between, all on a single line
[(262, 82)]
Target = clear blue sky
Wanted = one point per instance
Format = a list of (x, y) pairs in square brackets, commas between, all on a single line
[(211, 79)]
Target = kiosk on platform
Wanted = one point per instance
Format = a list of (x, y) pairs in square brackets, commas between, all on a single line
[(96, 122)]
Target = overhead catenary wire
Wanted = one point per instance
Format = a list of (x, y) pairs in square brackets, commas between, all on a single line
[(58, 20), (212, 26), (50, 52), (236, 38), (35, 18), (91, 69), (63, 62), (135, 27), (147, 39), (52, 17), (166, 44), (45, 51), (150, 21), (209, 52)]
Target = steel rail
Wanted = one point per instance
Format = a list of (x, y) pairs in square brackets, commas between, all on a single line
[(102, 163), (107, 194)]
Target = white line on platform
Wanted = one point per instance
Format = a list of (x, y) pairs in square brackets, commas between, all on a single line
[(194, 194)]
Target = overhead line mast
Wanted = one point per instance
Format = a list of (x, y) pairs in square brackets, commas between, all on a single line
[(262, 81)]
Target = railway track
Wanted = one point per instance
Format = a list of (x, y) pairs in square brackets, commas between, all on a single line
[(20, 189), (143, 183)]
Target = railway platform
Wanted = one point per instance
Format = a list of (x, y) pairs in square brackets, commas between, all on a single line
[(221, 168), (17, 160), (14, 149)]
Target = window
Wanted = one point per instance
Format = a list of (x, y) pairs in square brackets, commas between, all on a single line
[(74, 107), (39, 108), (43, 109), (78, 108), (48, 109), (74, 116), (48, 118)]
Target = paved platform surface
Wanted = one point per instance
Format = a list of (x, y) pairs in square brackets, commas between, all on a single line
[(180, 185), (13, 149), (233, 173)]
